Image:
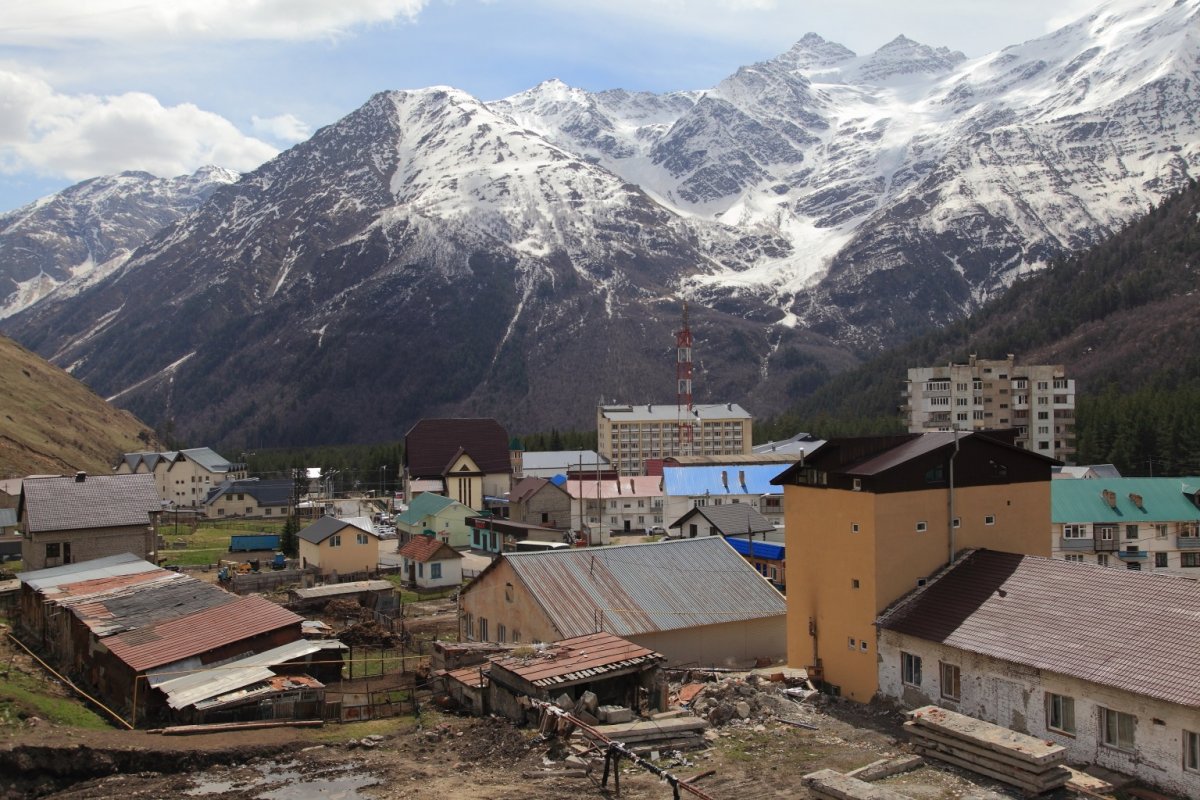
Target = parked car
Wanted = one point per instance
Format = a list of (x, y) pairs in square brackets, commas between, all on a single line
[(657, 530)]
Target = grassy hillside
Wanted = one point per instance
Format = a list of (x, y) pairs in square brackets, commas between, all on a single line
[(52, 423)]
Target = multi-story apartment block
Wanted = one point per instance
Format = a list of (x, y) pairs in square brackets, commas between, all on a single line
[(629, 435), (1131, 523), (619, 505), (1037, 400), (183, 477), (869, 520)]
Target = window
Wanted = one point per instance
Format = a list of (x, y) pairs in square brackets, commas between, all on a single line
[(501, 633), (469, 620), (1102, 560), (854, 527), (335, 540), (420, 569), (361, 538), (1116, 728), (1160, 530), (483, 629), (1076, 557), (1131, 531), (922, 527), (950, 681), (1075, 531), (435, 570), (858, 484), (53, 550), (958, 522), (1060, 713), (1160, 560), (516, 637), (862, 645), (1043, 415), (508, 592), (854, 583), (851, 643), (1189, 559), (1191, 751), (910, 669), (990, 519)]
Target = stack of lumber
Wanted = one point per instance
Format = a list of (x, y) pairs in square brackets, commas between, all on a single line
[(680, 733), (1031, 764)]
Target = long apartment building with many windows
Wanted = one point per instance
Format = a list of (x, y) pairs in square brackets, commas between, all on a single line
[(984, 394), (629, 435)]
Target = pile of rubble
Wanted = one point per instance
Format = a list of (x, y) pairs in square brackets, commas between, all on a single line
[(749, 697), (369, 633)]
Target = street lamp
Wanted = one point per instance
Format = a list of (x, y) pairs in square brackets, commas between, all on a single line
[(382, 484)]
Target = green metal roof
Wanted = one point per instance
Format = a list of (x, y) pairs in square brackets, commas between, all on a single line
[(424, 505), (1163, 500)]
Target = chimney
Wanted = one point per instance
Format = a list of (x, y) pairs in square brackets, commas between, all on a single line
[(725, 479), (1110, 498), (1136, 499), (742, 478), (80, 477), (729, 406), (649, 408)]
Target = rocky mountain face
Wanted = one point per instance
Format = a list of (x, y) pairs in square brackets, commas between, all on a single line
[(434, 254), (67, 241)]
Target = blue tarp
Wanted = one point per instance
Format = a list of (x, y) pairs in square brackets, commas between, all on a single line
[(764, 550)]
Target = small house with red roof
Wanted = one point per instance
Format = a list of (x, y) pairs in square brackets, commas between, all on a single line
[(430, 563)]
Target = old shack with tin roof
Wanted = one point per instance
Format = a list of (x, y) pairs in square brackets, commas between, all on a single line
[(695, 601)]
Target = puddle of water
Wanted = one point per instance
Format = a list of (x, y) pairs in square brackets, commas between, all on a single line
[(285, 782)]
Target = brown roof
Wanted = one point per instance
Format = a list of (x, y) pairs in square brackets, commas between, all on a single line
[(1136, 631), (194, 634), (428, 548), (585, 657), (431, 444), (526, 488), (97, 501)]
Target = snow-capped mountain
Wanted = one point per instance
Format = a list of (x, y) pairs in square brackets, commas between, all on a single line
[(69, 240), (432, 253)]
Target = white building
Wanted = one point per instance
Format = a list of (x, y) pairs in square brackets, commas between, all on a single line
[(183, 477), (620, 505), (1101, 661), (629, 435), (1038, 401)]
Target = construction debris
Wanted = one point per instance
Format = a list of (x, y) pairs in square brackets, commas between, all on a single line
[(828, 784), (1031, 764)]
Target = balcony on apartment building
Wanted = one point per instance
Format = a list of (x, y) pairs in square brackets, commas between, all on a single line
[(1185, 541), (1073, 543), (1131, 553)]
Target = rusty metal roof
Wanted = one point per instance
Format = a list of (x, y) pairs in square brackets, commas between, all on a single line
[(194, 634), (1134, 631), (97, 501), (643, 588), (210, 682), (47, 580), (424, 548), (582, 658)]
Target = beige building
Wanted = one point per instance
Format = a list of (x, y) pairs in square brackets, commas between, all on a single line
[(183, 477), (629, 435), (1037, 400), (869, 519), (65, 520), (1100, 661), (251, 498), (646, 593), (338, 547)]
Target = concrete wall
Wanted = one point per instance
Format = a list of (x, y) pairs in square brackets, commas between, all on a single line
[(501, 599), (730, 644), (86, 544), (1014, 696), (548, 506), (839, 579)]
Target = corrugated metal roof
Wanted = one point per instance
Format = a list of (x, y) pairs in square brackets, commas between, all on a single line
[(1163, 500), (335, 589), (215, 680), (98, 501), (581, 658), (1135, 631), (325, 527), (719, 481), (730, 520), (642, 588), (194, 634), (110, 606), (765, 550), (669, 412), (562, 459), (44, 580), (635, 486), (426, 505)]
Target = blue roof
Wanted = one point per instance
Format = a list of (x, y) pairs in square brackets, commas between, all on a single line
[(693, 481), (766, 550)]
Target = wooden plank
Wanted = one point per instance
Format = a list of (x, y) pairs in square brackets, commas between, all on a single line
[(993, 737), (832, 784), (970, 748)]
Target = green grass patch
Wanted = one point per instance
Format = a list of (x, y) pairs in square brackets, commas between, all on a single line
[(408, 596), (363, 662), (209, 542), (392, 726), (23, 695)]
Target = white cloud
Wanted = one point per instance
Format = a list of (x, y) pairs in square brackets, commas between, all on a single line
[(81, 136), (50, 21), (282, 128)]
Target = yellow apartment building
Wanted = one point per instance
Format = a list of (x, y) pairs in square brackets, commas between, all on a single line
[(868, 520)]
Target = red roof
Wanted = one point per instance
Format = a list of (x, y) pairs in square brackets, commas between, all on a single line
[(580, 658), (425, 548), (431, 444), (183, 637)]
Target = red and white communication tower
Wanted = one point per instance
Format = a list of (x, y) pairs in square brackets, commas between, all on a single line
[(683, 383)]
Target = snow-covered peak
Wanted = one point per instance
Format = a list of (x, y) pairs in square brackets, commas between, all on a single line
[(902, 59), (814, 52)]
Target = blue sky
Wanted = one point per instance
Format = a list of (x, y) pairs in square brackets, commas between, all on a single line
[(170, 85)]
